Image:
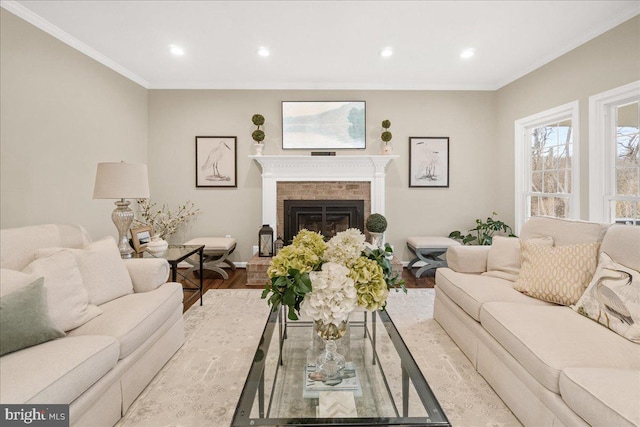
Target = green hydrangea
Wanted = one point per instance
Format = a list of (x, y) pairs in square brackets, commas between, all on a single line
[(292, 257), (370, 284), (312, 240)]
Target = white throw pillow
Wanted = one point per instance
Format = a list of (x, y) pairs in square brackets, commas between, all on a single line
[(13, 280), (67, 298), (613, 298), (503, 260), (104, 275)]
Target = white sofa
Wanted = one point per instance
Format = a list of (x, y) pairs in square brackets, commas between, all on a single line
[(101, 366), (549, 364)]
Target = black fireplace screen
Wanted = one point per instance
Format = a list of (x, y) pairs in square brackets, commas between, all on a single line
[(327, 217)]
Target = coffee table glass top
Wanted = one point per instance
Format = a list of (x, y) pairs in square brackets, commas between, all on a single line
[(385, 386)]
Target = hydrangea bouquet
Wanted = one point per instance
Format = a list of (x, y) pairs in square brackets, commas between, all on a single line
[(327, 281)]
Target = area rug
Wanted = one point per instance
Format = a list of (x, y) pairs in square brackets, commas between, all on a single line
[(201, 384)]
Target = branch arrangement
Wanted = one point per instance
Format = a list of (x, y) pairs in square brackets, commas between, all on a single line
[(164, 222)]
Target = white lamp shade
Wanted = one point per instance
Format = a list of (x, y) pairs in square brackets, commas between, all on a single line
[(121, 181)]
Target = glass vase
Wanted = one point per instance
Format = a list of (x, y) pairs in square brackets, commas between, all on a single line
[(330, 363)]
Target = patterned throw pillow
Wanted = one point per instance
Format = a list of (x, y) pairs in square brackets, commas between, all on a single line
[(613, 298), (558, 274)]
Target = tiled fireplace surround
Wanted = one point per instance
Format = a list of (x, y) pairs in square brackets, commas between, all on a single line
[(315, 178)]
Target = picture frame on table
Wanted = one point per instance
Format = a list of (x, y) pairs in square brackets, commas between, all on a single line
[(216, 161), (429, 162), (323, 125), (140, 237)]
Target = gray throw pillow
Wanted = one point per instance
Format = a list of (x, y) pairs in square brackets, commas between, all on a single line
[(25, 319)]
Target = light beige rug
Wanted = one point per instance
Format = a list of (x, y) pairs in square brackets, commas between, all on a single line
[(201, 384)]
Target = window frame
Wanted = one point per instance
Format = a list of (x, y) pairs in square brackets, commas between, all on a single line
[(522, 178), (603, 148)]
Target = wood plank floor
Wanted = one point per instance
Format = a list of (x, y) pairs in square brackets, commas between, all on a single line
[(238, 280)]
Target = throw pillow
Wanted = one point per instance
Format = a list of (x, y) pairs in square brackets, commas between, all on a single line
[(613, 298), (104, 275), (25, 319), (503, 260), (12, 280), (557, 274), (67, 298)]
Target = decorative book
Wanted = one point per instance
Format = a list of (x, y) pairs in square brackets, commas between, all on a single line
[(348, 381)]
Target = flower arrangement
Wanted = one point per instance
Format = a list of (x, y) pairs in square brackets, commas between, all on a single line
[(164, 222), (328, 280)]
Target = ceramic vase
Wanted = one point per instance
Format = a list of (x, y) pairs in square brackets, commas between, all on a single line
[(157, 244), (377, 239), (387, 148), (258, 148)]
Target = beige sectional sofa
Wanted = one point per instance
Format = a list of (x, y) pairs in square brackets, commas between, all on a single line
[(126, 322), (549, 364)]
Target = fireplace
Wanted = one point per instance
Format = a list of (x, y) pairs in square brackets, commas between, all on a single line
[(327, 217), (301, 171)]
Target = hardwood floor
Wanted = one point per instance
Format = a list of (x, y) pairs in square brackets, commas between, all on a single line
[(238, 280)]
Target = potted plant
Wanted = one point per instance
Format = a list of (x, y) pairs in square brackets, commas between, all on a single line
[(376, 225), (386, 137), (258, 134), (482, 233)]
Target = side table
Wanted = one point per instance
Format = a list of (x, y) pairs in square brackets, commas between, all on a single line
[(174, 255)]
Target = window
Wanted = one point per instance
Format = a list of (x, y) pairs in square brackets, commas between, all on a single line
[(547, 164), (614, 161)]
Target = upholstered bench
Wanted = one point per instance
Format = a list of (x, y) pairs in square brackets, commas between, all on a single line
[(216, 253), (429, 250)]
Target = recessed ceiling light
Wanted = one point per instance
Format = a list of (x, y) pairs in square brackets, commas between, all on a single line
[(386, 52), (176, 50), (264, 52), (467, 53)]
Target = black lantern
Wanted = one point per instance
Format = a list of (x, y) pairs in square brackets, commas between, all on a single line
[(265, 241), (278, 245)]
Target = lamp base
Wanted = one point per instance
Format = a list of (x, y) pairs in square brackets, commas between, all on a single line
[(122, 217)]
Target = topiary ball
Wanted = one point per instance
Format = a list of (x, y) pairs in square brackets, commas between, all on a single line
[(258, 135), (386, 136), (258, 119), (376, 223), (386, 124)]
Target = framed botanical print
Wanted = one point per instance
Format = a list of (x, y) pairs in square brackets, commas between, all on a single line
[(216, 161), (429, 161)]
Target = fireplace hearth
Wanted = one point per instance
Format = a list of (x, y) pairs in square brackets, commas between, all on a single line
[(327, 217)]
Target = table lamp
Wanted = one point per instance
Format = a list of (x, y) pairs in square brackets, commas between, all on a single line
[(122, 181)]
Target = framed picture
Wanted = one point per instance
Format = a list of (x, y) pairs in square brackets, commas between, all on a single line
[(323, 124), (140, 237), (216, 161), (429, 161)]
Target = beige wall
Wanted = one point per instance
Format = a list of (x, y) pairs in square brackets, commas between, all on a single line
[(177, 116), (606, 62), (62, 113)]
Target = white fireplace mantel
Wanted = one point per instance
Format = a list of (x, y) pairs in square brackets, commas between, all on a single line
[(321, 168)]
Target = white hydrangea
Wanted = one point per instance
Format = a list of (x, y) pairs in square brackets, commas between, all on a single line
[(345, 247), (333, 295)]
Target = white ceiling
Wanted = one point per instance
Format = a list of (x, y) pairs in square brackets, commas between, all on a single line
[(325, 44)]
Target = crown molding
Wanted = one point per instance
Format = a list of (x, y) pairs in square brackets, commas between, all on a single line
[(605, 26), (46, 26)]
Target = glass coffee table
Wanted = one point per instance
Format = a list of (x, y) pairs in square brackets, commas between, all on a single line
[(385, 386)]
